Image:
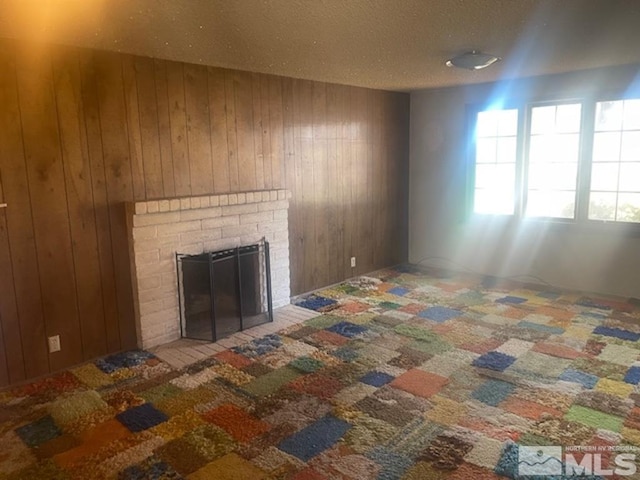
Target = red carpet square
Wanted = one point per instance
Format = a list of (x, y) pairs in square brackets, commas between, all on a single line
[(419, 382)]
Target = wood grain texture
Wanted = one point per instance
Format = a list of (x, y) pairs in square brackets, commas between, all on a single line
[(82, 132)]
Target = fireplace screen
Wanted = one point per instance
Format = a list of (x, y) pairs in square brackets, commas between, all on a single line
[(224, 292)]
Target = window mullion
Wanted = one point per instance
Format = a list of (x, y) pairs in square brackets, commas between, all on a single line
[(584, 162), (524, 130)]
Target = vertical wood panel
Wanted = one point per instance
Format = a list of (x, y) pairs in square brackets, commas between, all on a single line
[(49, 205), (198, 129), (20, 309), (149, 131), (232, 137), (333, 194), (218, 122), (101, 129), (277, 137), (243, 104), (320, 184), (258, 132), (164, 129), (136, 155), (296, 247), (79, 195), (265, 130), (305, 180), (11, 355), (91, 119), (118, 181), (178, 123)]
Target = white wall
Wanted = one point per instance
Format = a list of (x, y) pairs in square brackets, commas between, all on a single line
[(439, 234)]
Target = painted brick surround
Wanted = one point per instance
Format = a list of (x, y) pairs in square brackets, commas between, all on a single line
[(160, 228)]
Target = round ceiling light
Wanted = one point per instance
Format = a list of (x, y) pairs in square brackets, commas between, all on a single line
[(472, 60)]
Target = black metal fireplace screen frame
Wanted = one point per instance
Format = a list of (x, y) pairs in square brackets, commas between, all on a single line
[(211, 259)]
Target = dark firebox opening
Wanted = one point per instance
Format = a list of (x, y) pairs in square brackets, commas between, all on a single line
[(224, 292)]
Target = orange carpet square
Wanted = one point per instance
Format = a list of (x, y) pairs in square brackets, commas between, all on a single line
[(234, 359), (419, 382), (526, 409), (236, 422), (230, 467), (556, 350), (324, 336)]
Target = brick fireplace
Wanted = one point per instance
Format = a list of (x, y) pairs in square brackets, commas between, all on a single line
[(159, 229)]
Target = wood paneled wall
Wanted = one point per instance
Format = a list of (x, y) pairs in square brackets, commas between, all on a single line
[(82, 131)]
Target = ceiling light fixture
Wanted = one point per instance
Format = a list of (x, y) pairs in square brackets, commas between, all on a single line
[(472, 60)]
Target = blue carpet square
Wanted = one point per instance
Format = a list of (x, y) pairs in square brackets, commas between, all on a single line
[(541, 328), (492, 392), (549, 295), (38, 432), (511, 299), (439, 314), (393, 464), (399, 291), (347, 329), (142, 417), (632, 376), (376, 379), (315, 439), (117, 361), (259, 346), (587, 302), (617, 333), (315, 302), (346, 354), (576, 376), (494, 361)]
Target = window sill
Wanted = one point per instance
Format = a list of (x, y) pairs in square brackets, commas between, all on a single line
[(585, 227)]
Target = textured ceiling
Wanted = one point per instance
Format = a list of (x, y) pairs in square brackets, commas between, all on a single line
[(387, 44)]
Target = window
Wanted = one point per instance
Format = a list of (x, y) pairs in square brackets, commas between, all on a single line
[(496, 133), (615, 162), (570, 161)]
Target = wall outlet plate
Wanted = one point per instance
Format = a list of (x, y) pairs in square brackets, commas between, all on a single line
[(353, 262), (54, 344)]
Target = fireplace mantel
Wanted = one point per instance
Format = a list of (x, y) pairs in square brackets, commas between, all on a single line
[(158, 229)]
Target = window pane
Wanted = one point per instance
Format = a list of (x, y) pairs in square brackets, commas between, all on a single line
[(506, 150), (630, 147), (486, 150), (493, 201), (485, 175), (556, 204), (604, 177), (631, 115), (487, 124), (606, 147), (565, 147), (568, 118), (543, 120), (602, 206), (629, 177), (507, 122), (608, 115), (629, 207), (539, 147)]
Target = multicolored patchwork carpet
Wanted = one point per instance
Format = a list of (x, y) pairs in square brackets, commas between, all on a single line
[(406, 374)]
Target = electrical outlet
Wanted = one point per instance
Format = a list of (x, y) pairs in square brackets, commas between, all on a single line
[(54, 344), (353, 262)]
